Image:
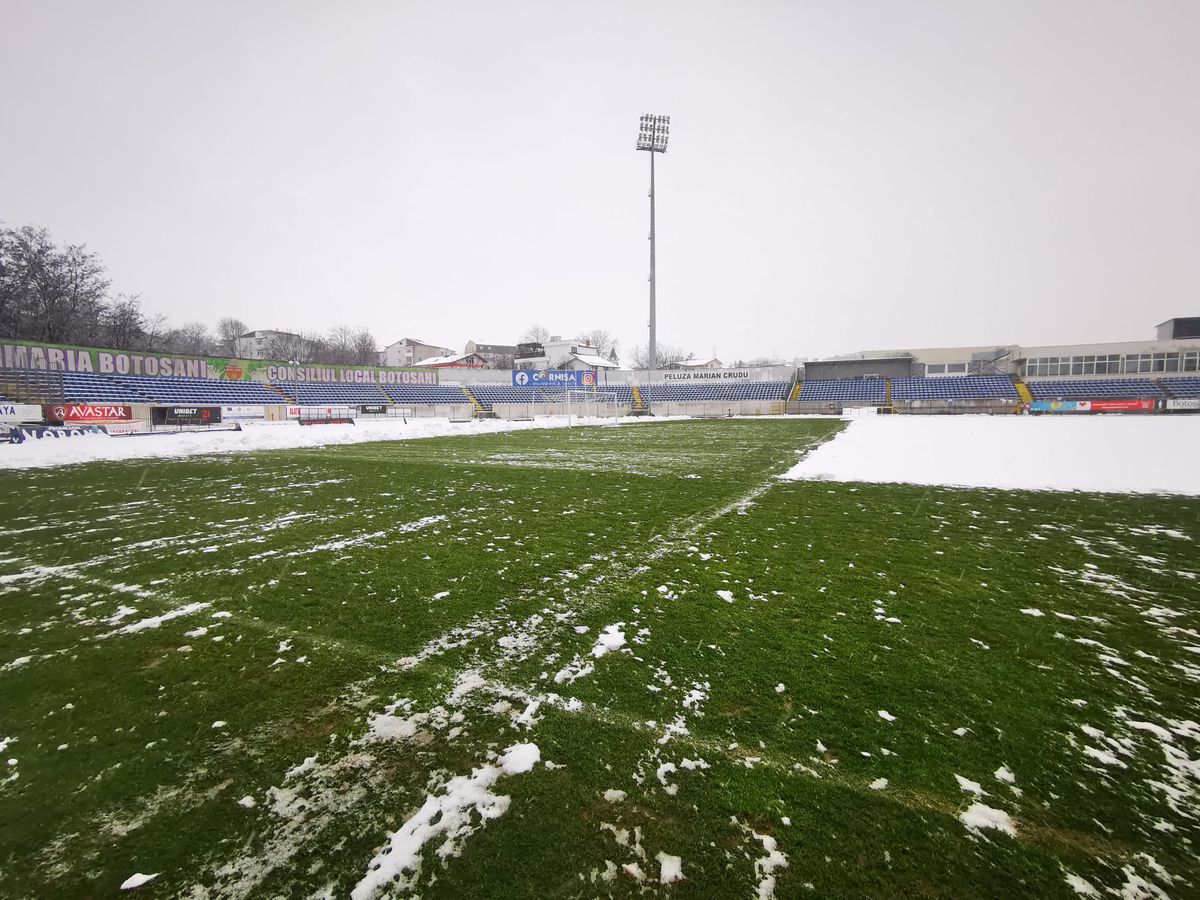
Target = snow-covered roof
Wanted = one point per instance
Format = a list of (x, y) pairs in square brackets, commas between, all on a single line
[(596, 362), (697, 363), (445, 360)]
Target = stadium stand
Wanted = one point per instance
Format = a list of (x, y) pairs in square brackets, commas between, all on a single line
[(422, 393), (969, 387), (682, 393), (623, 392), (1181, 387), (317, 393), (487, 394), (194, 390), (1099, 389), (863, 390), (81, 387)]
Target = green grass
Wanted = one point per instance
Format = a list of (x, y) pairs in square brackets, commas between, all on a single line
[(546, 533)]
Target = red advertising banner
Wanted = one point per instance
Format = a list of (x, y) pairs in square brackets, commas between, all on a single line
[(1122, 405), (81, 413)]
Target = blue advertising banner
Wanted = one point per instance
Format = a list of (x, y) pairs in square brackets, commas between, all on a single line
[(1059, 406), (565, 378)]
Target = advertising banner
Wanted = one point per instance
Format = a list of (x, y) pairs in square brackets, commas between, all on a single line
[(1184, 403), (186, 415), (707, 375), (85, 413), (137, 426), (1059, 406), (20, 412), (1091, 406), (230, 413), (37, 357), (321, 412), (1123, 405), (567, 378), (373, 409), (22, 433)]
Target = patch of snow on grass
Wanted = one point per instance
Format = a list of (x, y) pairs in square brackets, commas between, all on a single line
[(449, 816), (971, 787), (886, 716), (670, 868), (299, 769), (1081, 886), (979, 816), (1103, 756), (611, 639), (156, 621), (766, 866), (136, 880)]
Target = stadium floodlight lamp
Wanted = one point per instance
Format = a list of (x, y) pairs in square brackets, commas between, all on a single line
[(653, 133)]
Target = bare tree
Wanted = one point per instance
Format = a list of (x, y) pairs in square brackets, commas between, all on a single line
[(192, 338), (286, 346), (365, 348), (123, 326), (48, 293), (600, 340), (535, 334), (228, 331), (339, 346), (156, 332), (667, 355)]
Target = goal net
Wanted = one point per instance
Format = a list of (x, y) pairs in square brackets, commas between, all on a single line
[(593, 405)]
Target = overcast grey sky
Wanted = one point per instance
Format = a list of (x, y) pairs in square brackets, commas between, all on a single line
[(841, 175)]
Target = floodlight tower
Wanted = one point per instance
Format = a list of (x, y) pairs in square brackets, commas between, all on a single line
[(652, 136)]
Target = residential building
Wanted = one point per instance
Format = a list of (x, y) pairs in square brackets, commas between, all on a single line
[(410, 351), (498, 356), (269, 344), (554, 353)]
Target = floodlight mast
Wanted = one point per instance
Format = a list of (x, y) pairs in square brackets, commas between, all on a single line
[(652, 136)]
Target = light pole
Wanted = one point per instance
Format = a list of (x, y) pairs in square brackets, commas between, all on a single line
[(652, 136)]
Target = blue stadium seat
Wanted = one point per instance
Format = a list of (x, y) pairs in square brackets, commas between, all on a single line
[(965, 387), (424, 393), (1098, 389), (860, 390), (1186, 387)]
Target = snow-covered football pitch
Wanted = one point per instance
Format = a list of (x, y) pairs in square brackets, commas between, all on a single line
[(605, 661)]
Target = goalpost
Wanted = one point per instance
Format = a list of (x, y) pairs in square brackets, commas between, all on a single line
[(594, 405)]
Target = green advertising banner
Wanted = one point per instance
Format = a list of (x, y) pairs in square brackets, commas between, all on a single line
[(38, 357)]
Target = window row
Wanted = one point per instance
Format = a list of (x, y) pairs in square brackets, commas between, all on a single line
[(1113, 364), (946, 368)]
